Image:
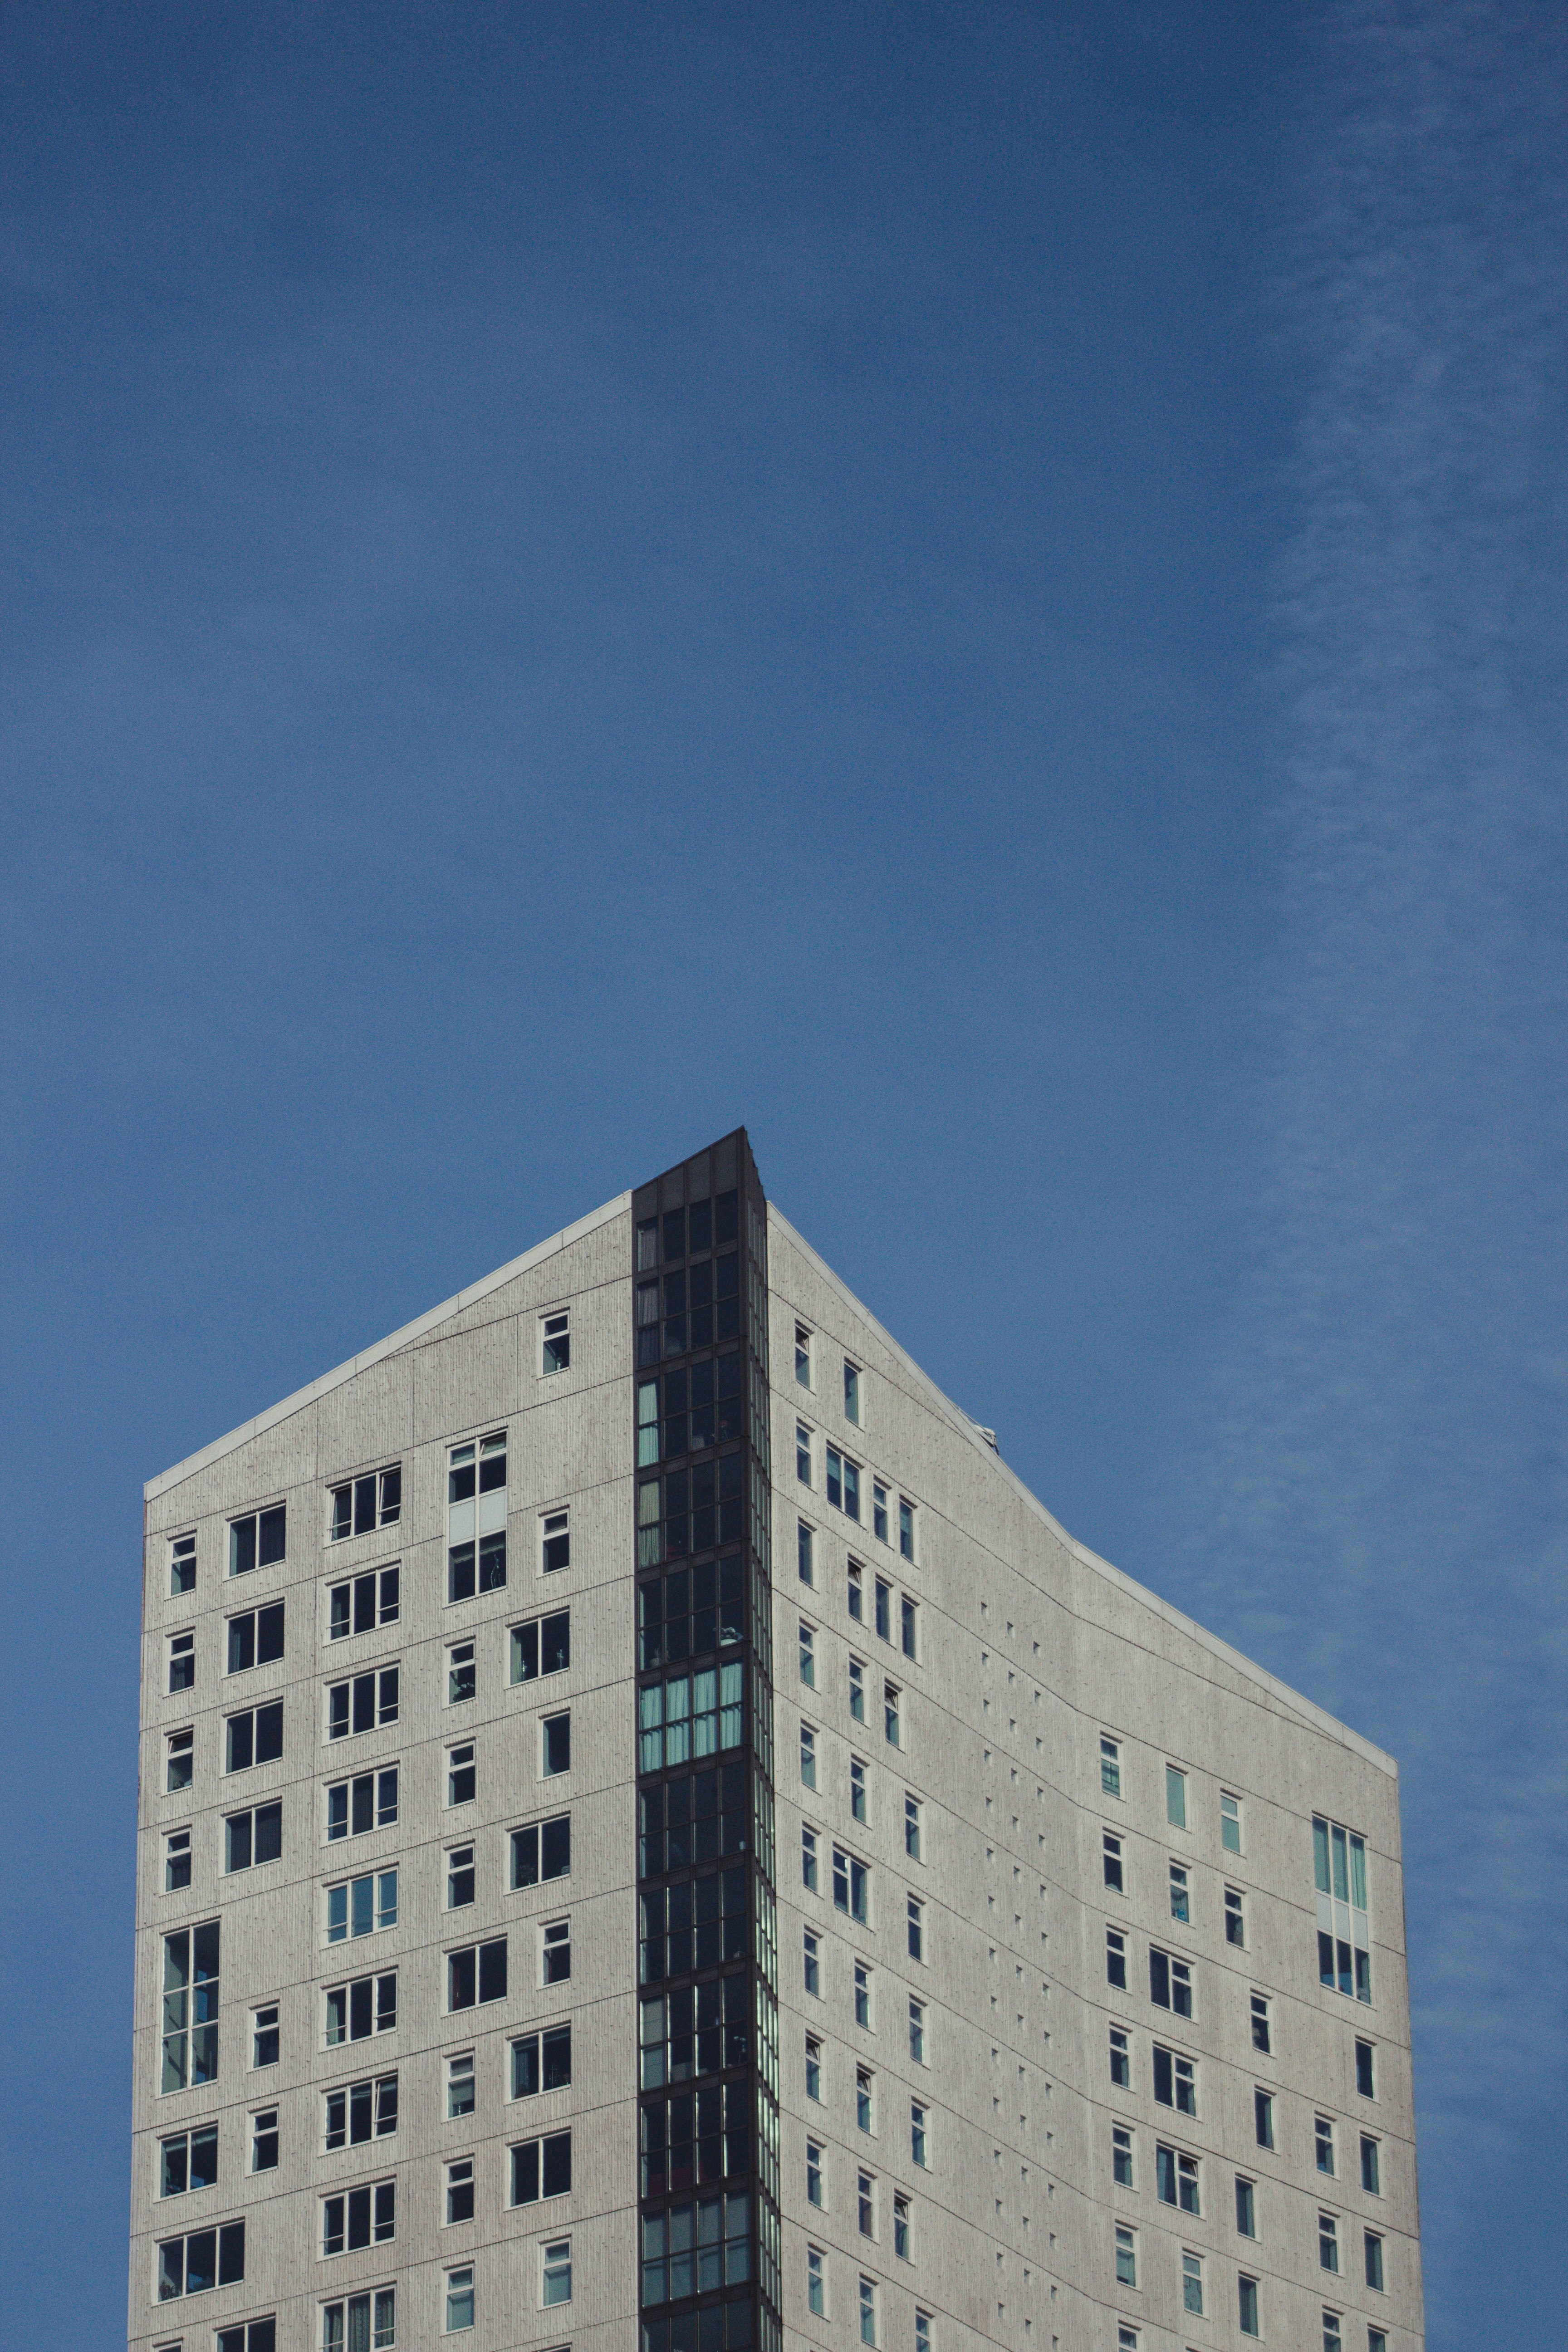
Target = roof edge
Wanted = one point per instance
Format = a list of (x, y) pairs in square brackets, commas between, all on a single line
[(969, 1428), (207, 1455)]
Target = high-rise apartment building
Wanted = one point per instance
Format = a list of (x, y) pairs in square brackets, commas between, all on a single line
[(652, 1838)]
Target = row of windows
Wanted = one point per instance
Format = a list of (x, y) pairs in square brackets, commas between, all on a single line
[(805, 1352), (1116, 1873), (1177, 2182), (1248, 2316), (865, 2090), (1230, 1817), (867, 2201), (1176, 2085), (843, 1483), (365, 2217), (867, 2304), (686, 1311)]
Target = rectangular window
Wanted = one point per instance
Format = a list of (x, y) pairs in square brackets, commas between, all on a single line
[(476, 1517), (814, 2172), (1372, 2248), (1263, 2119), (254, 1837), (808, 1655), (1246, 2302), (884, 1609), (922, 2331), (251, 2336), (541, 2168), (542, 2062), (257, 1540), (843, 1483), (879, 1511), (862, 1995), (1180, 1905), (1371, 2177), (190, 2022), (254, 1737), (804, 1559), (255, 1639), (1192, 2283), (1344, 1941), (866, 2205), (1177, 2178), (851, 1885), (188, 2161), (863, 2099), (1111, 1848), (475, 1974), (362, 1505), (460, 2085), (813, 1952), (867, 2311), (368, 1703), (815, 2288), (857, 1690), (176, 1860), (911, 1827), (1115, 1958), (802, 1355), (361, 1906), (1120, 2059), (814, 2068), (1262, 2036), (367, 1802), (264, 2035), (557, 2271), (459, 2300), (542, 1851), (556, 1952), (1230, 1823), (360, 2111), (556, 1744), (1175, 1796), (1170, 1982), (920, 2146), (856, 1592), (459, 1877), (915, 1921), (364, 1603), (802, 1453), (461, 1774), (1121, 2155), (556, 1542), (808, 1859), (356, 2011), (363, 2217), (1328, 2243), (183, 1565), (542, 1646), (917, 2030), (555, 1343), (1332, 2340), (906, 1528), (1323, 2142), (1126, 2256), (1235, 1918), (1246, 2208), (857, 1788), (1175, 2081), (181, 1662), (909, 1626), (1363, 2075), (851, 1392), (689, 1715), (206, 2259), (462, 1674), (1110, 1767), (892, 1720)]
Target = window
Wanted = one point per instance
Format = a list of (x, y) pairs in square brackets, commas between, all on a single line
[(1328, 2243), (893, 1699), (843, 1483), (1121, 2155), (915, 1915), (908, 1624), (906, 1528), (188, 2161), (541, 2168), (257, 1540), (879, 1510), (856, 1592), (255, 1639), (461, 1774), (1180, 1908), (813, 1963), (1364, 2076), (253, 2336), (1192, 2283), (1261, 2039), (1344, 1943), (1175, 2081), (1235, 1918), (368, 1703), (476, 1973), (808, 1757), (364, 1603), (190, 2006), (1120, 2059), (1370, 2167), (556, 1542), (857, 1788), (1376, 2341), (556, 1744), (183, 1565), (361, 2112), (863, 2098), (814, 2068), (361, 1906), (460, 2085), (1372, 2249), (922, 2331), (1263, 2119), (851, 1392), (542, 1851), (918, 2147), (254, 1737), (367, 1802), (867, 2311), (917, 2030), (1115, 1958), (1246, 2208), (803, 1453), (802, 1355), (356, 2011), (476, 1517), (1323, 2142), (851, 1885), (264, 2035), (815, 2289), (689, 1715), (1110, 1767), (884, 1610), (857, 1690), (459, 2299), (542, 1646), (462, 1674), (1175, 1796), (556, 1952), (557, 2271), (647, 1424), (862, 1995), (253, 1837), (1111, 1859), (176, 1860), (866, 2205), (691, 1610), (911, 1827), (805, 1561), (808, 1859), (1169, 1984), (1230, 1823), (1246, 2302), (1126, 2256), (180, 1750), (459, 1877), (808, 1655), (814, 2172), (207, 2258), (1177, 2178), (1332, 2340), (362, 1505), (1127, 2339), (555, 1338), (542, 2062)]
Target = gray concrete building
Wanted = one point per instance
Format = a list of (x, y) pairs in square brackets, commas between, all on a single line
[(651, 1836)]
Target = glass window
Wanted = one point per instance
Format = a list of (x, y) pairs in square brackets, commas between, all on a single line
[(1110, 1767), (1370, 2168), (1180, 1905), (1111, 1861), (183, 1565), (1246, 2300), (1121, 2155), (806, 1564), (1120, 2059), (1230, 1823), (802, 1355), (1126, 2256), (1175, 1796), (459, 2299), (558, 2271), (1246, 2208)]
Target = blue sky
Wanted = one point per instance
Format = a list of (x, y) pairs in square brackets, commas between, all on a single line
[(978, 589)]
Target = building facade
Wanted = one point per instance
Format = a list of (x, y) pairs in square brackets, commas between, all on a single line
[(651, 1837)]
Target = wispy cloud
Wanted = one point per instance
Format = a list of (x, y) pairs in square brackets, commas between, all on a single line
[(1377, 1479)]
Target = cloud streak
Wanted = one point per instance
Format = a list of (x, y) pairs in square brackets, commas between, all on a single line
[(1375, 1472)]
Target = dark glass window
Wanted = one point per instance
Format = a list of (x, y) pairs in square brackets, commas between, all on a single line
[(695, 2030), (692, 1612), (695, 2136), (695, 1820), (542, 1851), (542, 2062), (695, 1924)]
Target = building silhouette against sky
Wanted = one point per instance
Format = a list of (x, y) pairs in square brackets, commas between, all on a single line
[(651, 1836)]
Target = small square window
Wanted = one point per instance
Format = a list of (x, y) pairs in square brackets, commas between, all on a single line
[(556, 1343)]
